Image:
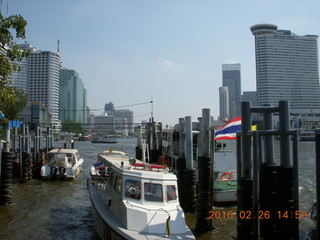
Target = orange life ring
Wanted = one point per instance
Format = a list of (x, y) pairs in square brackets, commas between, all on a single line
[(226, 176)]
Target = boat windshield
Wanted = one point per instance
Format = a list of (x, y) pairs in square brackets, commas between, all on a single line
[(171, 193), (133, 189), (153, 192)]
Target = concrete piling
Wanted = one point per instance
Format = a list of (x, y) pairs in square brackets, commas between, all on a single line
[(270, 194)]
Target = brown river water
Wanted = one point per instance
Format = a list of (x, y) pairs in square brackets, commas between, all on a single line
[(61, 209)]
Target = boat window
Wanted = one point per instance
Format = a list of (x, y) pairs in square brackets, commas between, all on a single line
[(133, 189), (153, 192), (171, 193), (118, 185), (112, 179)]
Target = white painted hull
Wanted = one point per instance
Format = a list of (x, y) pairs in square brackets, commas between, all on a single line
[(70, 173), (225, 197), (109, 227)]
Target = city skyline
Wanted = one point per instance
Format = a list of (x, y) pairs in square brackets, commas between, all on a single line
[(126, 52)]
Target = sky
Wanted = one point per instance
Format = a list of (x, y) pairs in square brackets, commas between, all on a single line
[(130, 52)]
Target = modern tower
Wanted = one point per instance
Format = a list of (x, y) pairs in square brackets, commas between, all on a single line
[(39, 78), (224, 103), (231, 78), (287, 68), (72, 96), (43, 81)]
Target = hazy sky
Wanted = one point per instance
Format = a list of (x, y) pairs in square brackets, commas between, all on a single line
[(126, 51)]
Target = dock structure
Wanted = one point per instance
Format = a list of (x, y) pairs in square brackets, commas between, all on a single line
[(268, 201), (188, 151), (317, 146), (21, 156)]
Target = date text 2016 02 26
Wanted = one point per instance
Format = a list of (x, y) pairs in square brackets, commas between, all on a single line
[(259, 215)]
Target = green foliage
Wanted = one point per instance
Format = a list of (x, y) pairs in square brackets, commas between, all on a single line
[(11, 110), (10, 54), (72, 127)]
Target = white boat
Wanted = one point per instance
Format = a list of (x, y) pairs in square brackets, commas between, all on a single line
[(64, 164), (225, 176), (135, 200)]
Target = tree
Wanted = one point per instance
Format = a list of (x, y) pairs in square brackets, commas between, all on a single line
[(10, 55), (72, 127), (12, 110)]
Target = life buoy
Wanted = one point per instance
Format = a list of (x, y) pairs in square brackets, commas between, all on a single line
[(226, 176)]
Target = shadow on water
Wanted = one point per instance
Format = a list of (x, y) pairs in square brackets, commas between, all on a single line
[(69, 223)]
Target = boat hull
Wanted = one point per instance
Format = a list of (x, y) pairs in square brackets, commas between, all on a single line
[(225, 197), (225, 192), (69, 173), (108, 226)]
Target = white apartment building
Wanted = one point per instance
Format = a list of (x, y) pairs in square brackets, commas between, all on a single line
[(287, 68), (40, 76)]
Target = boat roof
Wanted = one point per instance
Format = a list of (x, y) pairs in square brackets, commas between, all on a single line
[(125, 166), (64, 150)]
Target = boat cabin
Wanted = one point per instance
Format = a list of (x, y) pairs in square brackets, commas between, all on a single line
[(135, 190)]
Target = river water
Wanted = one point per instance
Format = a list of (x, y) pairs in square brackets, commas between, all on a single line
[(61, 209)]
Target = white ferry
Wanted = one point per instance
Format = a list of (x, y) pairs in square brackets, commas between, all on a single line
[(135, 200)]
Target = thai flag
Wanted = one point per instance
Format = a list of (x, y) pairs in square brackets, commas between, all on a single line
[(229, 130), (98, 165)]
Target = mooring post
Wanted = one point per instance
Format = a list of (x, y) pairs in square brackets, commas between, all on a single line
[(268, 142), (246, 140), (255, 184), (205, 133), (139, 136), (181, 137), (15, 136), (188, 142), (318, 182), (200, 139), (139, 143), (284, 137)]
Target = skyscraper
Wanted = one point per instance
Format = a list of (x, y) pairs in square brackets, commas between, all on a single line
[(72, 96), (224, 103), (40, 75), (287, 68), (231, 78)]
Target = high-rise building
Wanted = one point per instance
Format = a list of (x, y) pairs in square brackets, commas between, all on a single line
[(40, 76), (224, 103), (123, 118), (231, 78), (109, 108), (287, 68), (126, 124), (72, 96), (20, 79), (250, 96)]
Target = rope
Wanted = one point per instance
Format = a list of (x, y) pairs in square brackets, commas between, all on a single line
[(314, 205)]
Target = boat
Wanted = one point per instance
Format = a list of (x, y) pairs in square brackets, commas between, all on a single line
[(132, 199), (63, 164), (104, 140), (225, 176), (307, 135)]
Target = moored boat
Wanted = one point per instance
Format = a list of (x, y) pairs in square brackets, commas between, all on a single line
[(225, 176), (104, 140), (307, 135), (132, 199), (63, 164)]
